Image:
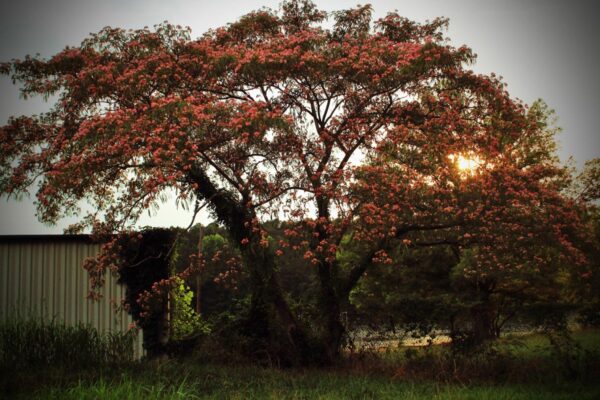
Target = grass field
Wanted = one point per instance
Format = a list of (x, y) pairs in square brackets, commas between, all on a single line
[(179, 381), (536, 374), (228, 383)]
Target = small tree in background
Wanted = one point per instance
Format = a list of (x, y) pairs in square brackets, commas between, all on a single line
[(515, 237)]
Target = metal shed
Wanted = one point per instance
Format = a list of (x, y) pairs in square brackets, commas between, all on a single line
[(43, 276)]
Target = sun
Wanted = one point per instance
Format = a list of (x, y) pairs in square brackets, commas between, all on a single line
[(467, 164)]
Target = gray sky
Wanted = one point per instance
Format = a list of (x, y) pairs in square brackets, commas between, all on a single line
[(545, 49)]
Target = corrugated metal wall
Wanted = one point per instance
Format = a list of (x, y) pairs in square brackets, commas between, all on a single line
[(44, 276)]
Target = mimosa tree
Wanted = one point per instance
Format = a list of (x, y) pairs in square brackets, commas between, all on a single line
[(276, 115)]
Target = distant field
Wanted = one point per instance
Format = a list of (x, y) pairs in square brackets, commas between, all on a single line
[(587, 338)]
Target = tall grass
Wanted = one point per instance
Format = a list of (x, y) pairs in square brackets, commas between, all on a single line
[(526, 368), (27, 342)]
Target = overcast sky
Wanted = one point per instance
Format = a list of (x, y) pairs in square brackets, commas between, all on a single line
[(545, 49)]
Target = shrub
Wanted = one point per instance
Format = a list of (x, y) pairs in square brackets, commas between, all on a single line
[(185, 321)]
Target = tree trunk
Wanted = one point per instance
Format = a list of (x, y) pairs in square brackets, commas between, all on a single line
[(484, 329), (333, 329), (330, 305), (200, 274)]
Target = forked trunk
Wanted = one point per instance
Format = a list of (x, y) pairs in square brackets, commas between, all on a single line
[(276, 333), (273, 328)]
